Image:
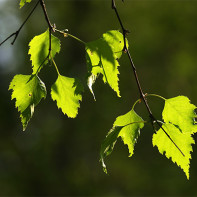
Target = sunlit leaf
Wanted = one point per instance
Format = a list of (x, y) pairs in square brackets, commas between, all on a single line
[(102, 56), (183, 140), (128, 128), (67, 92), (115, 41), (28, 90), (180, 112), (132, 124), (39, 50)]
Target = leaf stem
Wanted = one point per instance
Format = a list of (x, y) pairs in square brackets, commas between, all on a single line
[(76, 38), (156, 96), (138, 101), (55, 65), (65, 34)]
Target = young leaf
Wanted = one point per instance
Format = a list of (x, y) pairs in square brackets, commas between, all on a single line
[(180, 112), (102, 58), (28, 90), (128, 128), (39, 50), (22, 2), (183, 140), (67, 92)]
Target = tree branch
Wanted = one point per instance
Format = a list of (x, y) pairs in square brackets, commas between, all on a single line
[(15, 34), (142, 95), (42, 3)]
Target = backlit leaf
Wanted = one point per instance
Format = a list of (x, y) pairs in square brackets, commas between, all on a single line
[(180, 112), (128, 128), (132, 124), (39, 50), (102, 58), (183, 140), (67, 92), (28, 90)]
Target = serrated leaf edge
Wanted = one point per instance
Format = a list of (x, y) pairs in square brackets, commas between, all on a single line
[(170, 158)]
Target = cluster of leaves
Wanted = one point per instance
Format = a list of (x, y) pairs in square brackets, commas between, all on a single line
[(178, 122), (174, 135), (28, 90)]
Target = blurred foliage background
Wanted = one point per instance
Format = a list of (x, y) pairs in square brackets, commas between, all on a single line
[(60, 156)]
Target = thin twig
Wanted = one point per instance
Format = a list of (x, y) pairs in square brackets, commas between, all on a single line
[(15, 34), (125, 31), (142, 95), (66, 34), (42, 3)]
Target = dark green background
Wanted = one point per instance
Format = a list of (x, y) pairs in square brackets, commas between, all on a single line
[(60, 156)]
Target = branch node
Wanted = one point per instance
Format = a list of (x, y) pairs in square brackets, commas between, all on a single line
[(54, 27), (126, 32), (125, 49), (15, 37)]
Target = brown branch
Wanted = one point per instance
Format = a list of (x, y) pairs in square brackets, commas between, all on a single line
[(15, 34), (42, 3), (142, 95)]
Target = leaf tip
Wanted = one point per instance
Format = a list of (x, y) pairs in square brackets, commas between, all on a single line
[(24, 127), (118, 94), (104, 166), (91, 81)]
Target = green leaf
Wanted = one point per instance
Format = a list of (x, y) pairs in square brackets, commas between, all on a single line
[(28, 90), (102, 58), (128, 128), (132, 124), (115, 41), (108, 145), (180, 112), (183, 140), (67, 92), (22, 2), (39, 50)]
